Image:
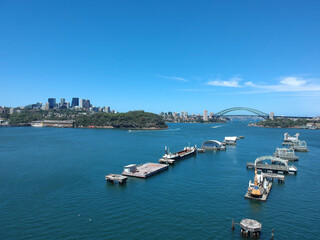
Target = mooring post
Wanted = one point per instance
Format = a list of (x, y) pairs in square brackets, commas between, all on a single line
[(272, 235), (232, 227)]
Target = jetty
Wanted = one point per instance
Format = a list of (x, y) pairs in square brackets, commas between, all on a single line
[(114, 178), (143, 170), (281, 167)]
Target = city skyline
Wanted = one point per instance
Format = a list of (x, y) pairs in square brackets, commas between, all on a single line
[(162, 57)]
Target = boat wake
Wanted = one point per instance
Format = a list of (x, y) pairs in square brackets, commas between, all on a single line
[(164, 130), (216, 126)]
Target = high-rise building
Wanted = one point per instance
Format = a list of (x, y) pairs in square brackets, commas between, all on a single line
[(52, 103), (106, 109), (205, 115), (271, 115), (211, 115), (68, 104), (182, 114), (62, 101), (86, 103), (81, 103), (75, 102)]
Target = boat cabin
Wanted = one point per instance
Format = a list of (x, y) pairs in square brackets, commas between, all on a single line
[(130, 168)]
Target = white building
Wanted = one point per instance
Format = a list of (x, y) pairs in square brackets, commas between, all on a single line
[(81, 103), (205, 115)]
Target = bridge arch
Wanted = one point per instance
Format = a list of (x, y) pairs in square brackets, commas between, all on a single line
[(255, 111)]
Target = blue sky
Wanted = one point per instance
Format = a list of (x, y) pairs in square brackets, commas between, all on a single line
[(163, 55)]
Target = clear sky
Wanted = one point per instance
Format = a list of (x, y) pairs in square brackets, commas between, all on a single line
[(163, 55)]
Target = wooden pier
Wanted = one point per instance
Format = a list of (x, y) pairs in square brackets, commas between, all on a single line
[(144, 170), (114, 178), (264, 196)]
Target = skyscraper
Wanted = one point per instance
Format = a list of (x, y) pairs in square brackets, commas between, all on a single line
[(75, 102), (205, 115), (86, 103), (52, 103), (81, 103)]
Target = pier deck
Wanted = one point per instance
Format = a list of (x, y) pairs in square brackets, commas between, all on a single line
[(271, 167), (116, 178), (146, 170)]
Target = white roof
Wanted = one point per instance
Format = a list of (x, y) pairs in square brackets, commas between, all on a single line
[(131, 165), (230, 138)]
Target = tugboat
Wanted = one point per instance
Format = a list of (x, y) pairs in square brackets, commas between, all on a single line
[(255, 189)]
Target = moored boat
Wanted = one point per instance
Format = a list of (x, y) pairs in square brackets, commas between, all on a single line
[(187, 151)]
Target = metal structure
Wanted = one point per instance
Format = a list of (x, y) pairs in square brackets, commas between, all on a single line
[(259, 160), (255, 111)]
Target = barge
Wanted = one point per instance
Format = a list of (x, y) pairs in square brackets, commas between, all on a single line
[(187, 151), (143, 170), (259, 189)]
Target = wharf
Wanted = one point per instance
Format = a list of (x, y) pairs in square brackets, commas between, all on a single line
[(272, 167), (113, 178), (144, 170), (264, 196)]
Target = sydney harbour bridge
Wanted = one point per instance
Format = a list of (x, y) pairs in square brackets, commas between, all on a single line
[(254, 111)]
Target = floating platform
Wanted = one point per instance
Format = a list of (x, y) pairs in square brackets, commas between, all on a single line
[(264, 196), (144, 170), (114, 178), (250, 227)]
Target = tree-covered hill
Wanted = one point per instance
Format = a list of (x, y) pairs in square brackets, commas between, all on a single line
[(133, 119)]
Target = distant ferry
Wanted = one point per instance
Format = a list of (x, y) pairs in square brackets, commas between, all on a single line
[(187, 151), (37, 124)]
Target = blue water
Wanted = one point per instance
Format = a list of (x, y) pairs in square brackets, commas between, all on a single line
[(52, 185)]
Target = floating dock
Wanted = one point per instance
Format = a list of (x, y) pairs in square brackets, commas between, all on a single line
[(114, 178), (144, 170)]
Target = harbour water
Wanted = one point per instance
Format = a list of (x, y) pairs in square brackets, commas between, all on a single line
[(52, 184)]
